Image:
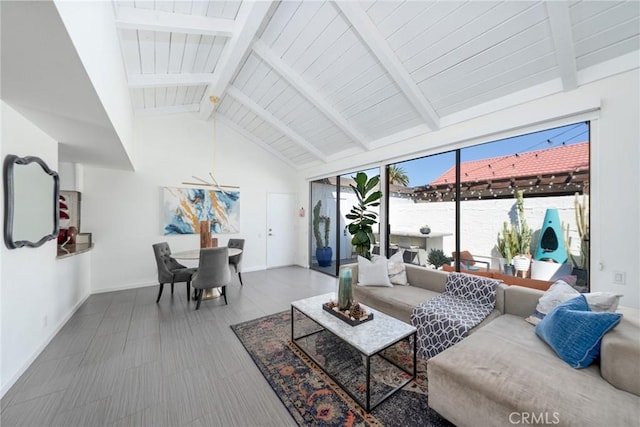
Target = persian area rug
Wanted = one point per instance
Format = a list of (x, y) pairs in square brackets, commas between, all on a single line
[(312, 397)]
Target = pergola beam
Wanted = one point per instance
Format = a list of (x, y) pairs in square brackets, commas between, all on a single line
[(390, 62)]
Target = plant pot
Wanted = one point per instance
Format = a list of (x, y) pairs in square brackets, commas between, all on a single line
[(509, 270), (544, 270), (582, 276), (324, 255), (425, 230), (521, 263)]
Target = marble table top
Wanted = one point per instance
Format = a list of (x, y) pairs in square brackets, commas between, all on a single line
[(369, 337), (195, 253)]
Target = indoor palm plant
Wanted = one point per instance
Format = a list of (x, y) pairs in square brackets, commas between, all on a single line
[(323, 250), (362, 218)]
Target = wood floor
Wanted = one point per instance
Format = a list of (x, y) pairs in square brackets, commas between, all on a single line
[(123, 360)]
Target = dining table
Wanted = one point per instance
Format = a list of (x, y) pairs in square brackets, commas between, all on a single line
[(194, 255)]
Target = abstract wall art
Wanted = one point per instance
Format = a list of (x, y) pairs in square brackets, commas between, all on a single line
[(184, 208)]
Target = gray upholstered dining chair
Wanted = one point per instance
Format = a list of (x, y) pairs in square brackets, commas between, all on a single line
[(236, 260), (213, 272), (170, 270)]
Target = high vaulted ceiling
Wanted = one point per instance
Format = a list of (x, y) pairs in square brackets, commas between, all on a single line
[(315, 80)]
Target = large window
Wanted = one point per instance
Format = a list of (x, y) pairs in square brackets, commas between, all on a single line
[(421, 217), (518, 205)]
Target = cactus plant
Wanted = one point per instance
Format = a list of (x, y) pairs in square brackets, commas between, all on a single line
[(508, 243), (317, 219), (525, 233), (582, 224)]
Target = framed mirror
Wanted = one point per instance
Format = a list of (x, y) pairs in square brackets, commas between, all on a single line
[(31, 192)]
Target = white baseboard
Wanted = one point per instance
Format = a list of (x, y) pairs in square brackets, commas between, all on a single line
[(125, 287), (39, 350)]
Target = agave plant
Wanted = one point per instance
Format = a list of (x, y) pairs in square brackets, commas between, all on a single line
[(363, 219)]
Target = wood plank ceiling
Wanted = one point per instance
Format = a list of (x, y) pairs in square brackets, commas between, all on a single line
[(315, 80)]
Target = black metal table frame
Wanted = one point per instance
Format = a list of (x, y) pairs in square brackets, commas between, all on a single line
[(367, 406)]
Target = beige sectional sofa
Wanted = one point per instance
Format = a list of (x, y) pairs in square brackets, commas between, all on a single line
[(503, 374)]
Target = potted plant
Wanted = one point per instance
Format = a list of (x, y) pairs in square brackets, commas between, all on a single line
[(437, 258), (507, 245), (515, 243), (363, 219), (323, 251), (522, 260), (581, 265)]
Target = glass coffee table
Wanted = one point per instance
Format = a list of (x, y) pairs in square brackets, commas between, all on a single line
[(353, 355)]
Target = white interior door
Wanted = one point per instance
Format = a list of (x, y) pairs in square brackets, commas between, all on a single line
[(281, 233)]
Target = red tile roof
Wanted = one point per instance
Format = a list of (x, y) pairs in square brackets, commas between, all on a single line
[(566, 158)]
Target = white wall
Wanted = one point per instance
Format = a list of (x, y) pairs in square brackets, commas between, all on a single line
[(91, 26), (38, 293), (613, 106), (123, 210)]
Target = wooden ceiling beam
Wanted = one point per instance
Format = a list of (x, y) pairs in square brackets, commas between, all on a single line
[(371, 36), (305, 89), (250, 17), (278, 124), (259, 142), (163, 80), (132, 18), (560, 23)]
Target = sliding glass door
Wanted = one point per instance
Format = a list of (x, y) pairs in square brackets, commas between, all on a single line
[(330, 242), (324, 213)]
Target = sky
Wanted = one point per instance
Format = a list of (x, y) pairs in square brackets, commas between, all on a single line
[(424, 170)]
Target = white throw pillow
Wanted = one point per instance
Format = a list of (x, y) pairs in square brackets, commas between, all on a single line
[(603, 301), (397, 269), (374, 272), (561, 291)]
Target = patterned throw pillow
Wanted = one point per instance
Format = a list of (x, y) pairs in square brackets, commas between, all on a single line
[(561, 291), (374, 272), (575, 332), (397, 269)]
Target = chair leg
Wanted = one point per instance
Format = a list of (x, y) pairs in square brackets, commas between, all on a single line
[(240, 276), (224, 294), (160, 292), (200, 292), (189, 290), (171, 288)]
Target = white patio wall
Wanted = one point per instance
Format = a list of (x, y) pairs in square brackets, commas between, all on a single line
[(481, 220)]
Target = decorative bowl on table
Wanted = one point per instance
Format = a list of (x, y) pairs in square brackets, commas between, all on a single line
[(355, 315)]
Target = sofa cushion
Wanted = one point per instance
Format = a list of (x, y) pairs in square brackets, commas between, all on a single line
[(620, 353), (561, 291), (397, 269), (504, 368), (397, 301), (374, 272), (574, 332)]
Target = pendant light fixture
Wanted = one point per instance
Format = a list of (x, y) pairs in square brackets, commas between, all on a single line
[(213, 183)]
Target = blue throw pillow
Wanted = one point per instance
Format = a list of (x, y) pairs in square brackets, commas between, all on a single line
[(574, 332)]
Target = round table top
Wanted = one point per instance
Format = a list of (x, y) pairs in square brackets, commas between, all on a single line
[(195, 253)]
